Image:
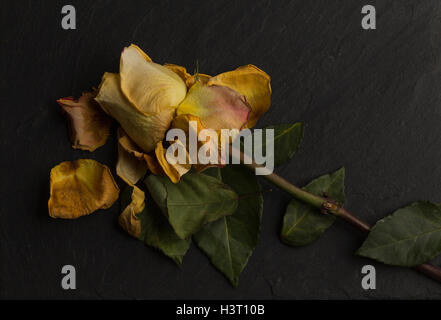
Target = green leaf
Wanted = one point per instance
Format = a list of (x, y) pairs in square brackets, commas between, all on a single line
[(156, 231), (230, 241), (287, 139), (409, 237), (302, 223), (193, 202)]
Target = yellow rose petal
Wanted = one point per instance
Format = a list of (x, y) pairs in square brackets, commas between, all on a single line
[(89, 126), (128, 219), (182, 122), (173, 171), (129, 168), (153, 165), (218, 107), (80, 187), (128, 145), (149, 86), (253, 83), (180, 71), (144, 130), (199, 77), (141, 52)]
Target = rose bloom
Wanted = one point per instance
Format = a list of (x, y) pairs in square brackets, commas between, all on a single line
[(147, 99)]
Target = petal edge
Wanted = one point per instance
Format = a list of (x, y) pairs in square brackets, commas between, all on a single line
[(253, 83)]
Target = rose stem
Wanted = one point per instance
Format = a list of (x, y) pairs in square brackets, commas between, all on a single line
[(330, 207)]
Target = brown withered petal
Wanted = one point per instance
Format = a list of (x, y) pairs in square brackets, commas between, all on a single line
[(128, 219), (153, 165), (80, 187), (89, 125), (253, 83), (173, 171)]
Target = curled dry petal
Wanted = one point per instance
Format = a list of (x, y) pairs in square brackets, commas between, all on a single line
[(189, 80), (218, 107), (129, 168), (131, 165), (128, 145), (173, 171), (199, 77), (251, 82), (153, 164), (80, 187), (88, 125), (179, 70), (149, 86), (144, 130), (132, 162), (128, 219)]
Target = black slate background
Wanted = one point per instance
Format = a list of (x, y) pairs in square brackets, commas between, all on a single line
[(371, 101)]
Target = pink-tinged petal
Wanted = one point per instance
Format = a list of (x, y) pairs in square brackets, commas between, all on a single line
[(89, 125), (253, 83), (218, 107)]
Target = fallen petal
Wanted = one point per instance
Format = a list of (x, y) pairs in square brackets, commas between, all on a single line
[(80, 187), (89, 126)]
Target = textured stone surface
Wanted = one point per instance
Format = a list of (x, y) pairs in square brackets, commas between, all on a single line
[(370, 99)]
